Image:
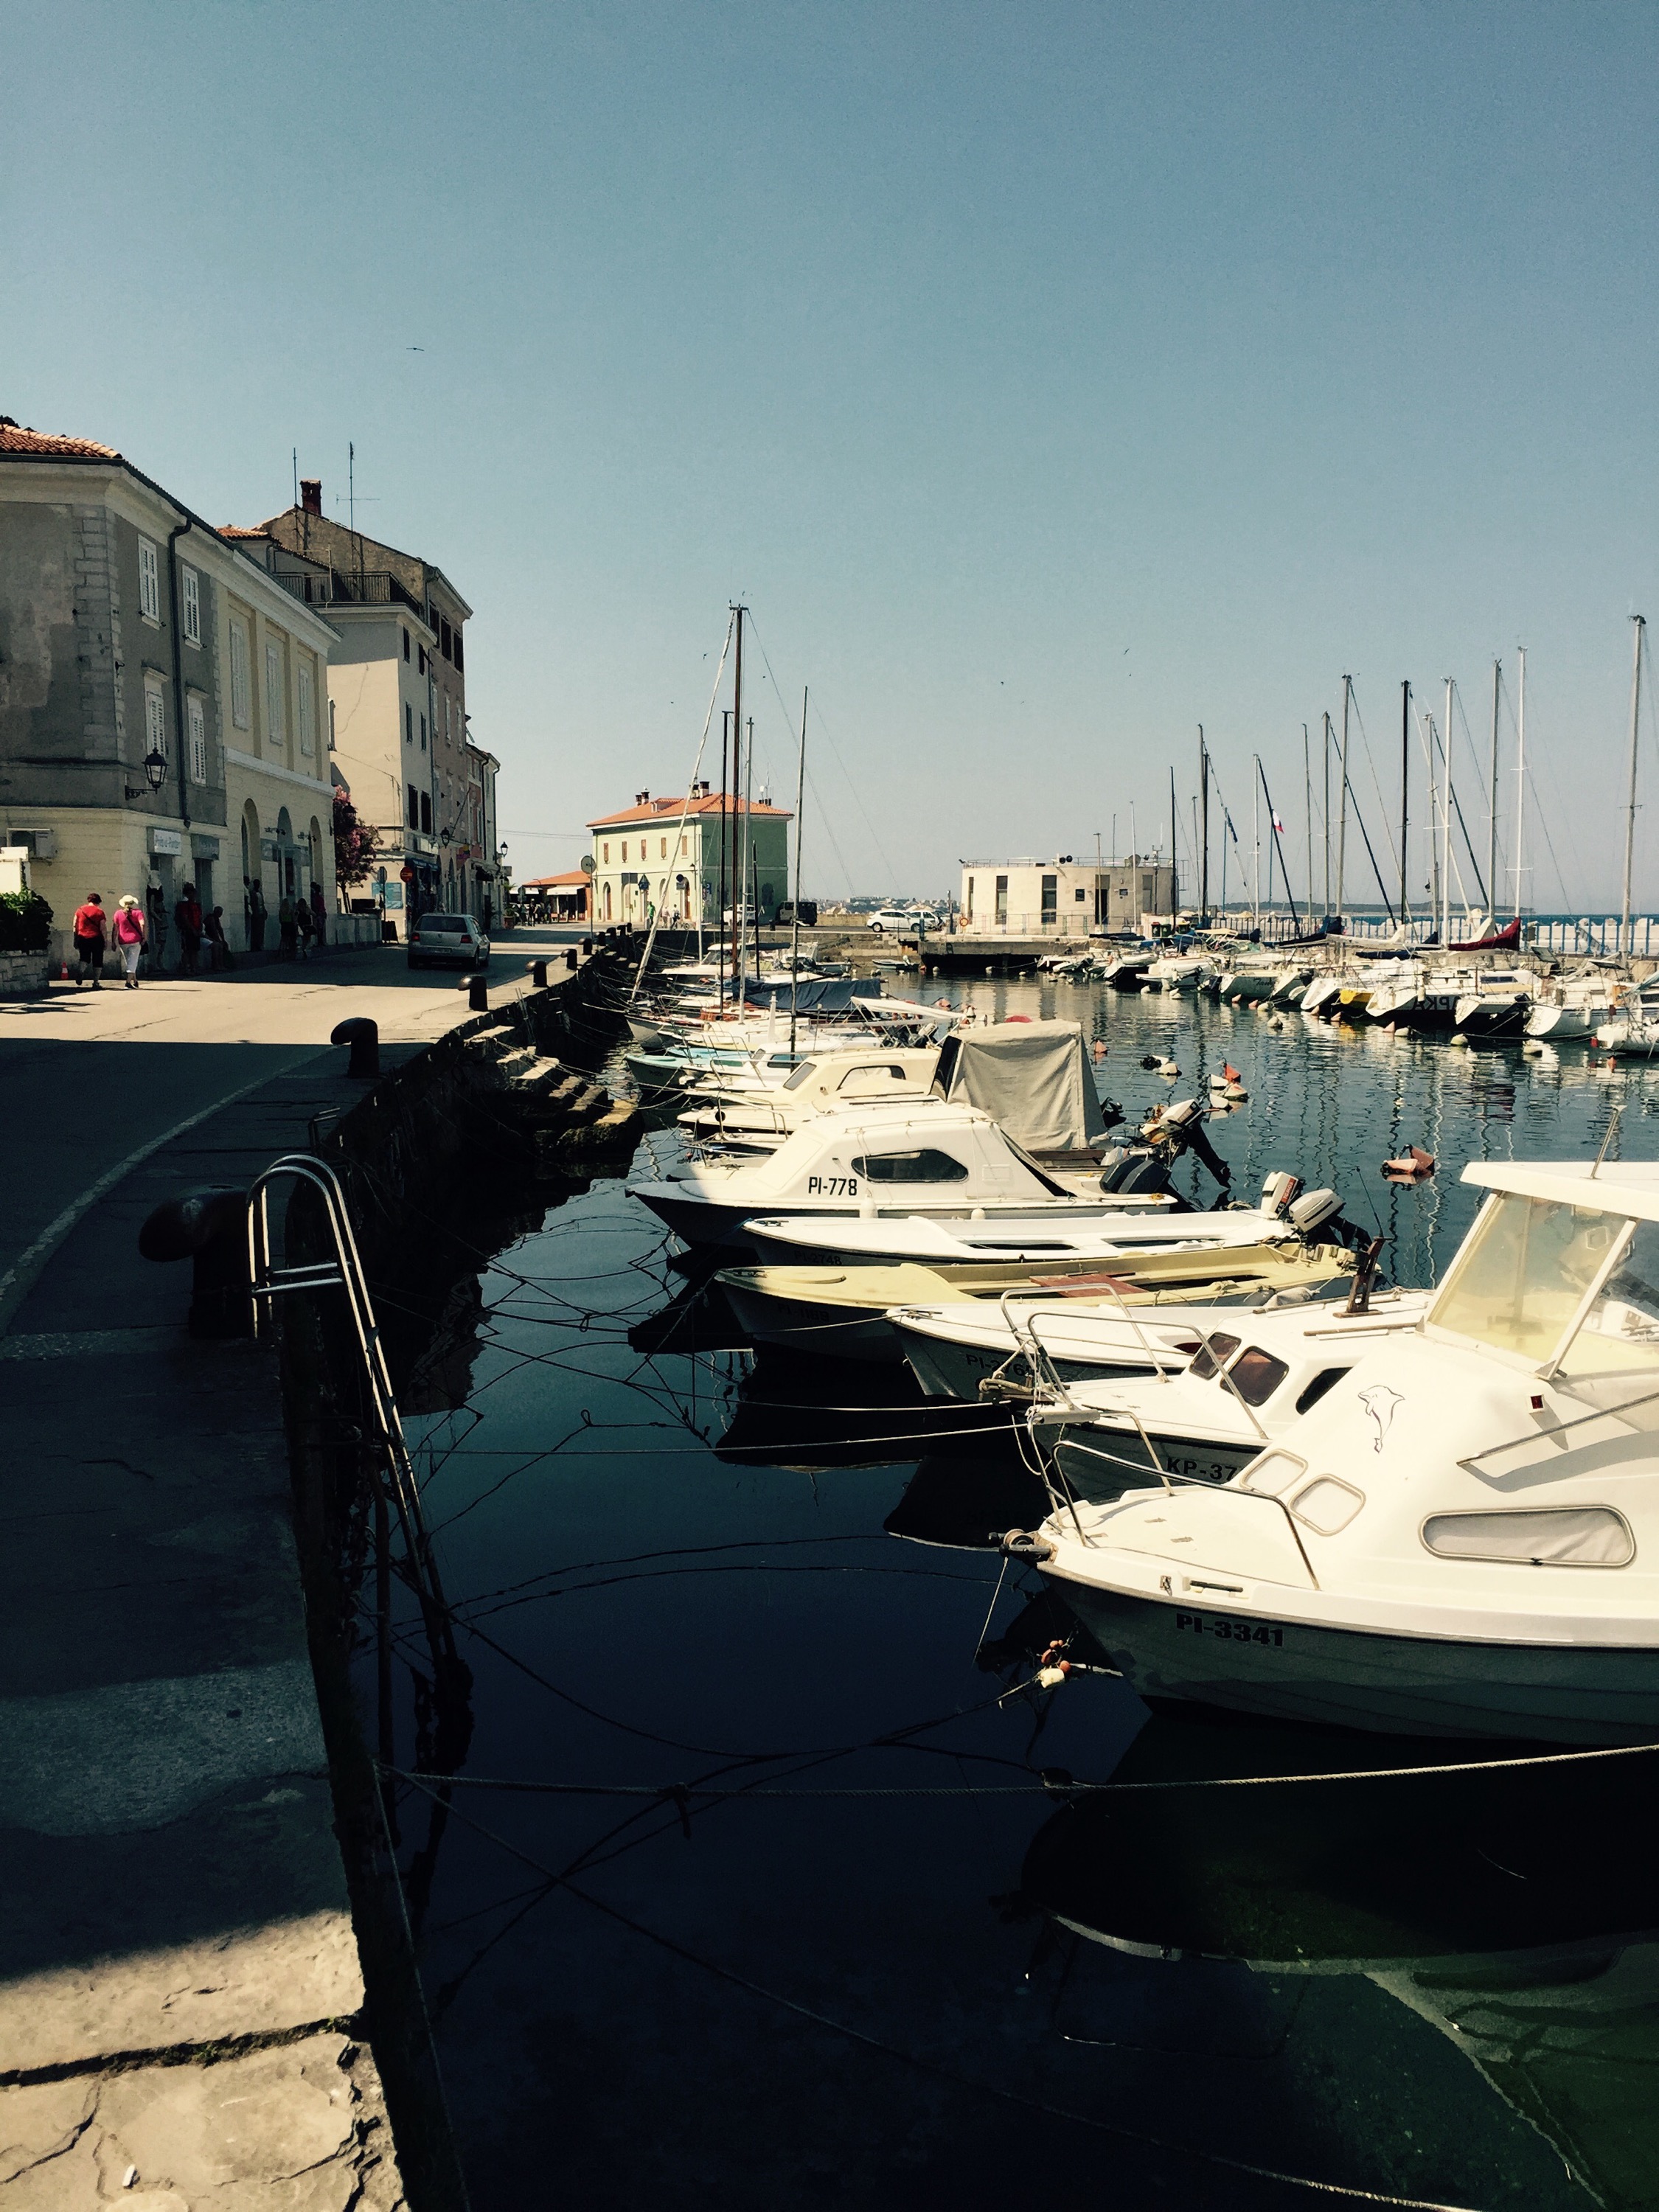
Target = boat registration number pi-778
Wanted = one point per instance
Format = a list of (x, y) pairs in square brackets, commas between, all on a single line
[(832, 1186), (1226, 1630)]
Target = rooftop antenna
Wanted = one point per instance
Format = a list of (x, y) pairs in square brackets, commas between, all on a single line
[(296, 476)]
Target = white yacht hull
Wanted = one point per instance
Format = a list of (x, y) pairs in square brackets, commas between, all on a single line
[(946, 1367), (1287, 1669)]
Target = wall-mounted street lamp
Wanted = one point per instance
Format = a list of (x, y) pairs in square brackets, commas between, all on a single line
[(155, 767)]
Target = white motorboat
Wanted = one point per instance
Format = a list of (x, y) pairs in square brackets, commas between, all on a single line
[(1462, 1536), (1177, 971), (760, 1118), (928, 1158), (1089, 1336), (1092, 1230)]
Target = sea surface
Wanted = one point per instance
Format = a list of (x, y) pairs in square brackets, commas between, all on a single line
[(789, 1903)]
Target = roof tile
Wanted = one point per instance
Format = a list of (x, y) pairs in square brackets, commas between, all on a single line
[(15, 438)]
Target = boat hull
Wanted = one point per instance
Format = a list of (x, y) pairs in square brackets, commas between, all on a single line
[(1245, 1662), (1101, 1464), (947, 1368), (850, 1332)]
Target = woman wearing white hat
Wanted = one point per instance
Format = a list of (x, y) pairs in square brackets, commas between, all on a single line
[(130, 930)]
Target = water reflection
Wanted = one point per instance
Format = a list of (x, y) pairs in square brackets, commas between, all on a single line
[(1512, 1911)]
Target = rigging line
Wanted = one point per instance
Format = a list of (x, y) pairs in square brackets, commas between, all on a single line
[(783, 1444), (731, 1567), (1444, 751), (817, 715), (825, 825), (678, 1552), (686, 815), (1382, 803), (976, 2087)]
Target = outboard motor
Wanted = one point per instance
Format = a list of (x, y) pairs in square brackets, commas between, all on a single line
[(1141, 1175)]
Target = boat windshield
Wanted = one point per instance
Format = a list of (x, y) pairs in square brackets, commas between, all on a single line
[(1526, 1270)]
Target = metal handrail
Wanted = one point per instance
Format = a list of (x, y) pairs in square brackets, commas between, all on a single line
[(269, 1279)]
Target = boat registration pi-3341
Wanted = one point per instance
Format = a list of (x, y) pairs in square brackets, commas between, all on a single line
[(1233, 1632)]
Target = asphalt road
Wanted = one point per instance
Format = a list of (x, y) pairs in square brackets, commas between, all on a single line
[(87, 1080)]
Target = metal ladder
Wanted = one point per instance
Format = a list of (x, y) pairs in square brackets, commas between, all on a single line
[(269, 1280)]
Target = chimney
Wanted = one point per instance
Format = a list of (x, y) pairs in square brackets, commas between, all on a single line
[(311, 495), (640, 797)]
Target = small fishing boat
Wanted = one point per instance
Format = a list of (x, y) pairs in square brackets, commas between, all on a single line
[(1491, 1014), (1462, 1536)]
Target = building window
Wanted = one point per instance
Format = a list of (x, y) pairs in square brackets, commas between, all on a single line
[(605, 850), (1050, 901), (408, 724), (192, 607), (446, 639), (274, 694), (967, 910), (149, 582), (413, 808), (419, 659), (625, 849), (405, 645), (195, 715), (241, 703), (307, 727), (459, 662), (155, 717), (1002, 901), (426, 811), (423, 733), (663, 842)]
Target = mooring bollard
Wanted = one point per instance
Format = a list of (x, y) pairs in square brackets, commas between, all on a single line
[(208, 1227), (571, 957), (477, 994), (538, 974), (363, 1036), (587, 948)]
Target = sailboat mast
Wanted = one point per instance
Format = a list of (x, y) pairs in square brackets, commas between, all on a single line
[(1520, 772), (1325, 765), (1405, 795), (1445, 825), (1492, 812), (794, 924), (1255, 833), (1175, 902), (1638, 623), (1307, 792), (720, 912), (739, 611), (748, 855), (1204, 823), (1427, 724), (1342, 804)]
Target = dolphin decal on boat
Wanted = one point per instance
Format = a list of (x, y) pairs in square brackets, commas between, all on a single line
[(1379, 1402)]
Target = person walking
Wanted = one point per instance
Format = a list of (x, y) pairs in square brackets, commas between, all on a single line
[(187, 913), (303, 925), (218, 946), (255, 903), (287, 932), (129, 930), (319, 915), (89, 925)]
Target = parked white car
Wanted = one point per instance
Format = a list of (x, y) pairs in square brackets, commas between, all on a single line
[(448, 939), (894, 918)]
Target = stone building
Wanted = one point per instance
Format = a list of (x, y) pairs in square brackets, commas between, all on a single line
[(398, 703), (162, 699), (1065, 897), (646, 860)]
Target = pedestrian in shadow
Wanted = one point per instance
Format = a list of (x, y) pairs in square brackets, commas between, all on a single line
[(302, 926), (90, 923), (155, 934), (255, 903), (187, 913), (218, 954), (128, 932), (287, 933), (319, 915)]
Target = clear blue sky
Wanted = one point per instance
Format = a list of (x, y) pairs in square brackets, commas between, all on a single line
[(1048, 379)]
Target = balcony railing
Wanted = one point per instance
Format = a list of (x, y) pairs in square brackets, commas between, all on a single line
[(373, 587)]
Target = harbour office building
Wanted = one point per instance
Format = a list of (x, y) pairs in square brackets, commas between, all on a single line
[(1066, 898), (162, 699), (646, 860)]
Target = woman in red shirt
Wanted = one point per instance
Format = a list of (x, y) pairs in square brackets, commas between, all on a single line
[(90, 922), (128, 931)]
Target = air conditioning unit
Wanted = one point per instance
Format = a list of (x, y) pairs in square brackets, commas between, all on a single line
[(42, 843)]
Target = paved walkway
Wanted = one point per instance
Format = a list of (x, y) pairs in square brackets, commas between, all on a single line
[(176, 1950)]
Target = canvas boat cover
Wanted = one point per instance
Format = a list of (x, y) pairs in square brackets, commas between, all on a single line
[(816, 994), (1033, 1077)]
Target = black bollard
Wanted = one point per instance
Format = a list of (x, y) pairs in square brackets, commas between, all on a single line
[(571, 957), (586, 947), (477, 994), (208, 1227), (363, 1036), (537, 974)]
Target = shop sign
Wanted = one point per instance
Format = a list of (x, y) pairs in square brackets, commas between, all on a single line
[(166, 840)]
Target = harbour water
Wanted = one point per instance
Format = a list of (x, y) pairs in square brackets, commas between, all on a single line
[(766, 1885)]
